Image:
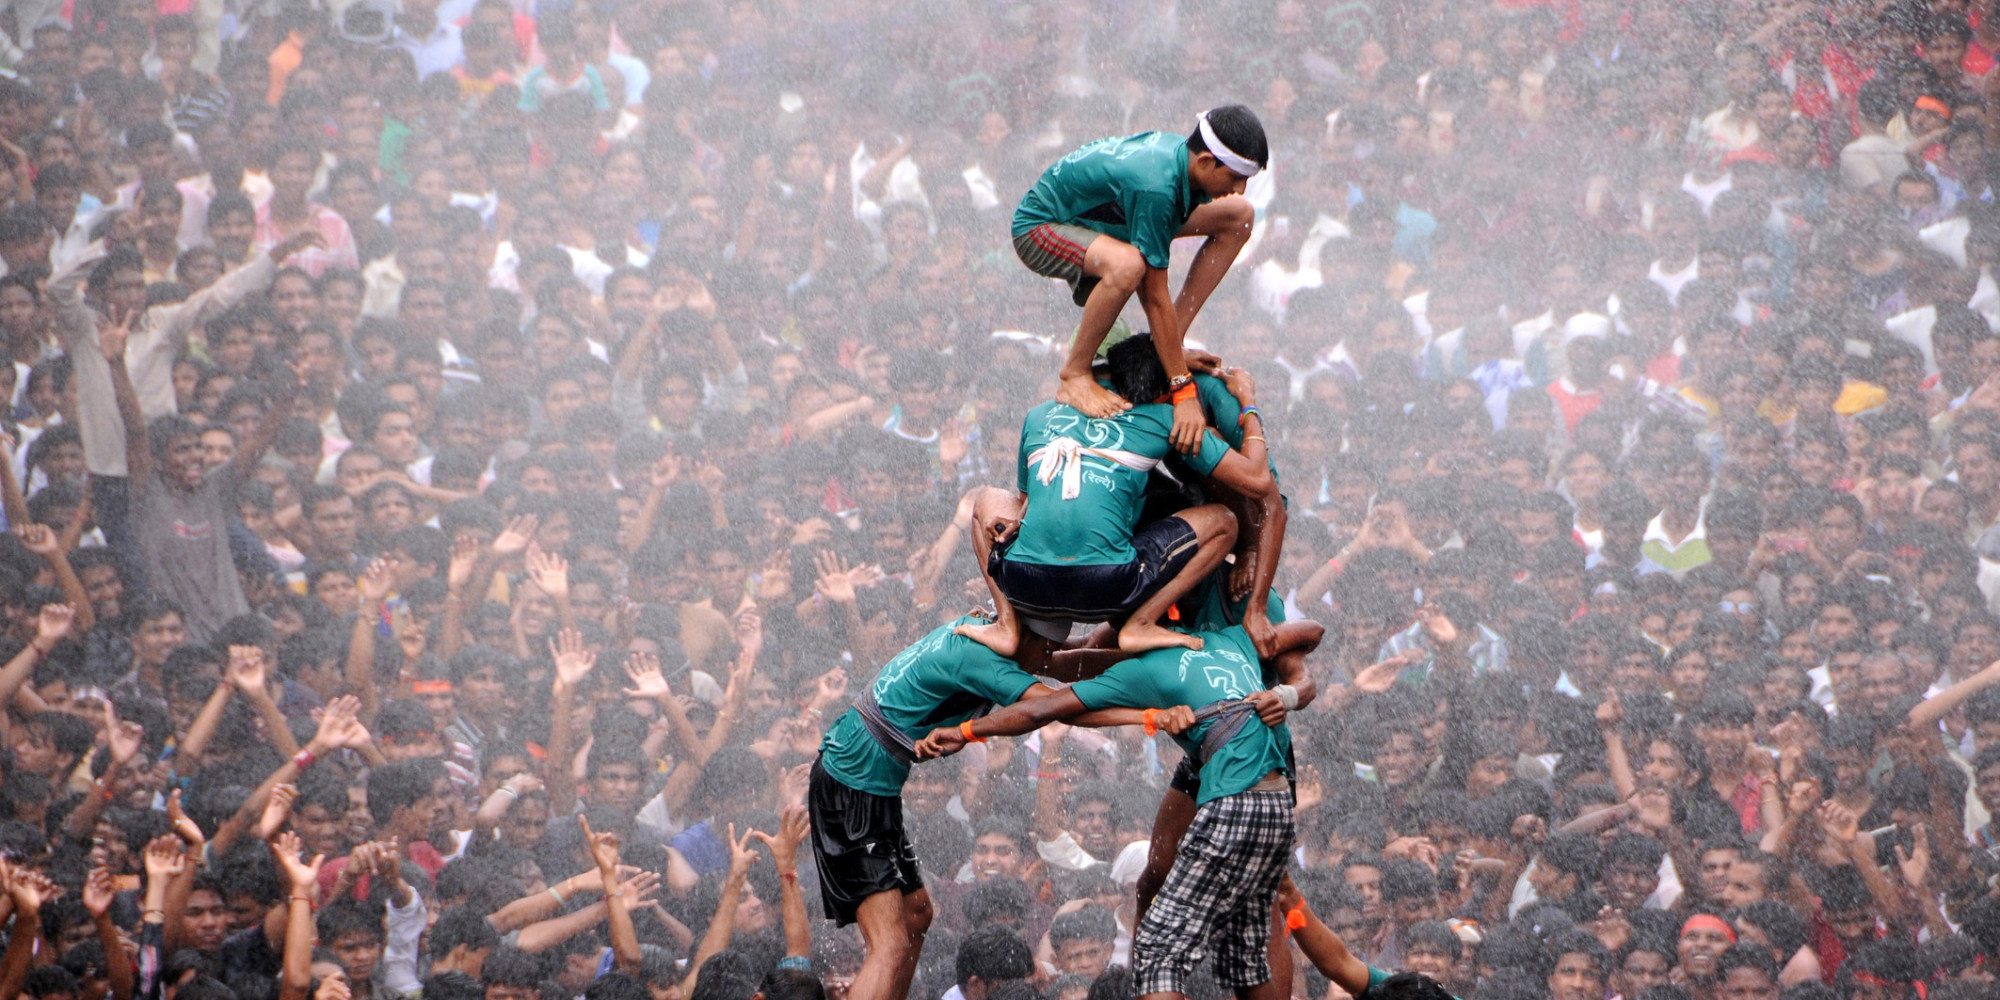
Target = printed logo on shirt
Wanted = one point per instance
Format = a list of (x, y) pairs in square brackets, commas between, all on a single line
[(195, 532)]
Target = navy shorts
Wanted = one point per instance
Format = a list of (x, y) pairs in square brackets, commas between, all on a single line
[(1100, 593), (859, 843)]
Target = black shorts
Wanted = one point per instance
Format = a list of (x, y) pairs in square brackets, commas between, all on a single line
[(1101, 593), (859, 844)]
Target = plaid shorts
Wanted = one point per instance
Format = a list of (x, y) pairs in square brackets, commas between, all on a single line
[(1220, 891)]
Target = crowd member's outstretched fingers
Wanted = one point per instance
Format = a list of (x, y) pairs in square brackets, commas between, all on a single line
[(1215, 531), (996, 514)]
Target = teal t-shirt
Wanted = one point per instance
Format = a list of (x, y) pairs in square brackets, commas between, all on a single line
[(1209, 608), (1094, 528), (1225, 667), (940, 680), (1132, 188)]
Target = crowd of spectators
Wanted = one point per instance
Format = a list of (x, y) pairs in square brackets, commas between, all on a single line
[(461, 454)]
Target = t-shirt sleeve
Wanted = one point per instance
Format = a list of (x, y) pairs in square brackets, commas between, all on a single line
[(1000, 682), (1153, 222), (1122, 686), (1210, 454)]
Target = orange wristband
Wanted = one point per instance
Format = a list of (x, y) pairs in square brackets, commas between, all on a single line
[(1184, 393), (1151, 726), (1295, 919), (965, 730)]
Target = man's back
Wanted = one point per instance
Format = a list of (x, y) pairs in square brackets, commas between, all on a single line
[(1082, 507), (940, 680), (1226, 668), (1131, 188)]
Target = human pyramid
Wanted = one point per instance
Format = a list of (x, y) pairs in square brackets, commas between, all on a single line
[(1136, 484)]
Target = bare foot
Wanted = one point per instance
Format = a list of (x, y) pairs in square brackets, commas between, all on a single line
[(1136, 638), (1093, 400), (1000, 637)]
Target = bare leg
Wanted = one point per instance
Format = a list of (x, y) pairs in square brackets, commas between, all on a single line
[(1226, 222), (890, 947), (917, 914), (1118, 269), (1176, 812), (1215, 528), (995, 512)]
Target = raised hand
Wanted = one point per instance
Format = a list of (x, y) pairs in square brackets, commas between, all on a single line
[(1840, 823), (302, 875), (1378, 678), (642, 667), (277, 809), (784, 847), (550, 572), (749, 631), (98, 891), (40, 539), (635, 891), (340, 725), (573, 662), (465, 553), (30, 889), (246, 669), (124, 739), (741, 854), (603, 846), (515, 538), (1653, 808), (664, 473), (164, 857), (833, 583), (111, 340), (186, 829), (1915, 863), (52, 624), (793, 786), (374, 584), (1610, 713)]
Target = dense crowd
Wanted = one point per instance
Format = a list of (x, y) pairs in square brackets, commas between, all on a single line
[(463, 457)]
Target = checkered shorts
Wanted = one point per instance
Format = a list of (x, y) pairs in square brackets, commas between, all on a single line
[(1223, 882)]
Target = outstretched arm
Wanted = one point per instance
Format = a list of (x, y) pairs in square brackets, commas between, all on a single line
[(1327, 952)]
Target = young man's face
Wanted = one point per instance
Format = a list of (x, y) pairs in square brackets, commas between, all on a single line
[(1642, 971), (358, 953), (35, 752), (1083, 956), (1575, 977), (1428, 960), (156, 637), (615, 785), (996, 855), (105, 589), (206, 920), (333, 525), (322, 831)]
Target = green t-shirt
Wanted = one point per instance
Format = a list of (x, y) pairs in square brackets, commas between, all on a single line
[(1209, 608), (1094, 528), (1225, 667), (940, 680), (1132, 188)]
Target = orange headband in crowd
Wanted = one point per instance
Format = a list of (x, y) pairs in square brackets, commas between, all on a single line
[(1933, 105), (431, 687), (1712, 923)]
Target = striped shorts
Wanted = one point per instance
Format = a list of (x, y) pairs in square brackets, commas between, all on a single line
[(1055, 250)]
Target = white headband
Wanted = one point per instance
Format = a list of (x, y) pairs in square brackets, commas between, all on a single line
[(1228, 157)]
